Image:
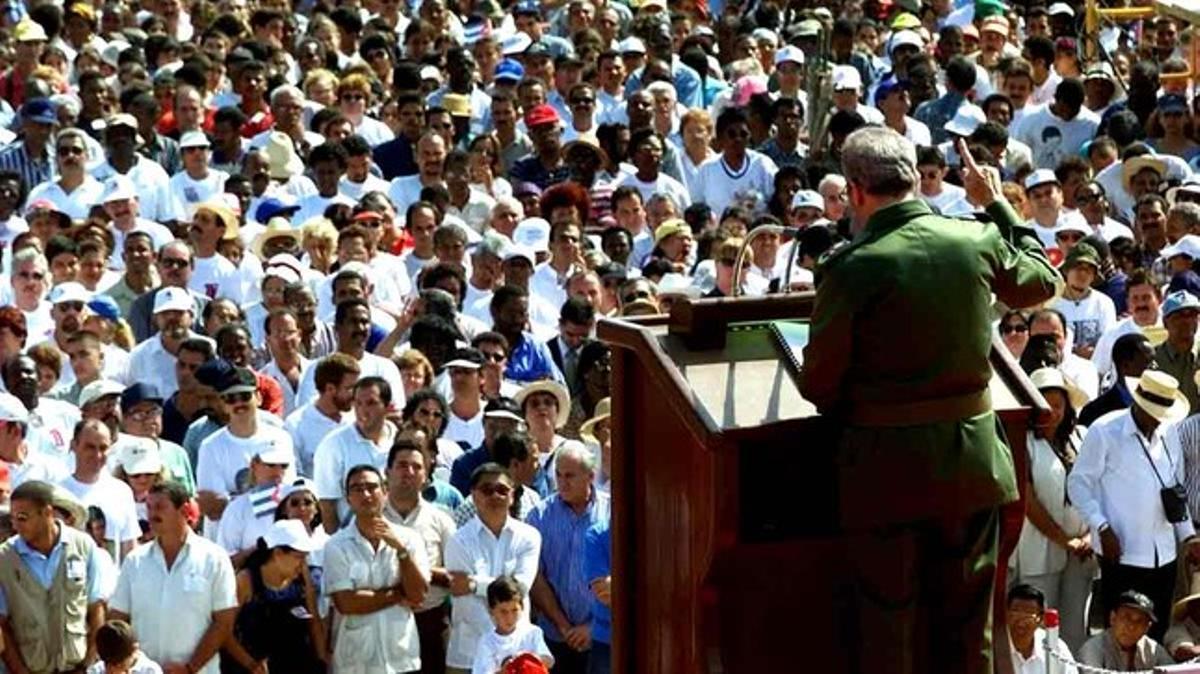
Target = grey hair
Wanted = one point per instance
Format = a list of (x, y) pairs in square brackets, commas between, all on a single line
[(657, 89), (880, 161), (285, 89), (834, 179), (661, 197), (579, 453), (513, 203), (30, 254), (1189, 212), (492, 244)]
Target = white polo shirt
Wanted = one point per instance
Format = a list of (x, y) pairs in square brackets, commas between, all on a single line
[(474, 550), (170, 609), (435, 527), (342, 450), (152, 364), (308, 426), (386, 641)]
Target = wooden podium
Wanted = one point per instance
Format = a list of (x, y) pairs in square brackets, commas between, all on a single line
[(726, 556)]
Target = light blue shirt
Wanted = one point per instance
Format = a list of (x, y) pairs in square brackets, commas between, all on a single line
[(45, 567)]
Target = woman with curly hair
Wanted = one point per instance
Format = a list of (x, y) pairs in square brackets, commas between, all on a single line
[(566, 202), (354, 99)]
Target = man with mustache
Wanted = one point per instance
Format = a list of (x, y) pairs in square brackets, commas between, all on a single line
[(352, 322), (123, 205), (1143, 298), (153, 361)]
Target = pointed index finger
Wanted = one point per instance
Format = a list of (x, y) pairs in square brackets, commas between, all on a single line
[(964, 153)]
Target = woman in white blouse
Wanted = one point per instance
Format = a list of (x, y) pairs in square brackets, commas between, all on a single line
[(1055, 551)]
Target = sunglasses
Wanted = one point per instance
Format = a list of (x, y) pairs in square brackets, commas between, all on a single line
[(235, 398), (1009, 329), (495, 489), (495, 357), (583, 101), (1089, 198), (173, 263), (70, 150), (70, 306)]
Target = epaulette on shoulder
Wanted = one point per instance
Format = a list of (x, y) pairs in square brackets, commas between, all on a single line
[(833, 254)]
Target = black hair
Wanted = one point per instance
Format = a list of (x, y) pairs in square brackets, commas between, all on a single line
[(504, 589), (1029, 592)]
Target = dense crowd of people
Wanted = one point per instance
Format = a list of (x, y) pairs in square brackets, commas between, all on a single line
[(297, 323)]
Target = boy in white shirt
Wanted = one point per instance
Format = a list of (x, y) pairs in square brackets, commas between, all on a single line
[(514, 634), (119, 652)]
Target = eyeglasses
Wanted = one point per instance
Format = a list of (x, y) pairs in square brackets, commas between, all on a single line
[(173, 263), (235, 398), (145, 415), (583, 101), (495, 489), (70, 306), (1009, 329), (31, 275), (495, 357), (68, 150)]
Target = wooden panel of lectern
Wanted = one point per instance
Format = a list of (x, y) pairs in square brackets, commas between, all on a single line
[(726, 556)]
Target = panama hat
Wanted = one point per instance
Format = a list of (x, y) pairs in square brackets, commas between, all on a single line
[(1135, 165), (554, 388), (276, 228), (1180, 608), (282, 160), (1158, 394), (603, 413), (1051, 378)]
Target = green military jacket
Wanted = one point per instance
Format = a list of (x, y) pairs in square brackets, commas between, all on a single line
[(903, 316)]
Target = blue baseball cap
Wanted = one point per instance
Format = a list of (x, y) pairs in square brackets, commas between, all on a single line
[(888, 86), (105, 307), (527, 7), (1172, 103), (509, 69), (275, 207), (1178, 301), (39, 110), (139, 393)]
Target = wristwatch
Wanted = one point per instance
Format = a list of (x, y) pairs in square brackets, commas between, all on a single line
[(402, 553)]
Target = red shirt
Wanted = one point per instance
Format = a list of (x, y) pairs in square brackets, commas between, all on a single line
[(270, 393)]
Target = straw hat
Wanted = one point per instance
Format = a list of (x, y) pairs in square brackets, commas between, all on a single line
[(1181, 606), (1131, 167), (276, 228), (554, 388), (1158, 394), (282, 160), (603, 413), (1052, 378)]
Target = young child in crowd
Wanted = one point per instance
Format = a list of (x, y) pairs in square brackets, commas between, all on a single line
[(117, 646), (513, 635)]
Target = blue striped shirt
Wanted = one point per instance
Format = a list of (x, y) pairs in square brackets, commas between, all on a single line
[(34, 172), (563, 559)]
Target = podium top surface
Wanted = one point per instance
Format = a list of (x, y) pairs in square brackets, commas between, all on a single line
[(748, 383)]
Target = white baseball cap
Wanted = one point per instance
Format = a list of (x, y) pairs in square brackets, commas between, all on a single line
[(70, 291), (12, 409), (515, 251), (194, 139), (846, 78), (172, 298), (140, 456), (289, 534), (905, 37), (809, 199), (119, 188), (966, 120), (98, 389), (1040, 177), (789, 54), (533, 233), (631, 45), (276, 455)]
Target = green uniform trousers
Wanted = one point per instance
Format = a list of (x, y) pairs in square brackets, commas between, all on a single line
[(920, 596)]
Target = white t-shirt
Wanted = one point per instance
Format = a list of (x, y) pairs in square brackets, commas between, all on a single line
[(77, 204), (719, 186), (371, 366), (115, 499), (466, 432), (356, 190), (248, 517), (308, 426), (342, 450), (216, 277), (56, 419), (187, 192), (916, 131), (1089, 317), (949, 195), (314, 205), (495, 647), (664, 184), (223, 466), (37, 466), (1052, 139)]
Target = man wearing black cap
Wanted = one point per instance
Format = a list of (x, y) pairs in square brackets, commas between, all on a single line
[(142, 417), (1125, 646)]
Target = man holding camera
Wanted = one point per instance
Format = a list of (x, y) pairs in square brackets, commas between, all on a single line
[(1128, 484)]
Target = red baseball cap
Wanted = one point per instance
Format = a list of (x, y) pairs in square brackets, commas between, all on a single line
[(541, 114), (525, 663)]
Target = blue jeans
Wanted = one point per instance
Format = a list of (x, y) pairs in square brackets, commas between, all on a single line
[(600, 658)]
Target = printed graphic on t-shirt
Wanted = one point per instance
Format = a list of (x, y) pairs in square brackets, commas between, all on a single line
[(1087, 332)]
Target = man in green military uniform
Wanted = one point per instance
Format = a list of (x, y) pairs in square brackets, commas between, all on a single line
[(898, 358)]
